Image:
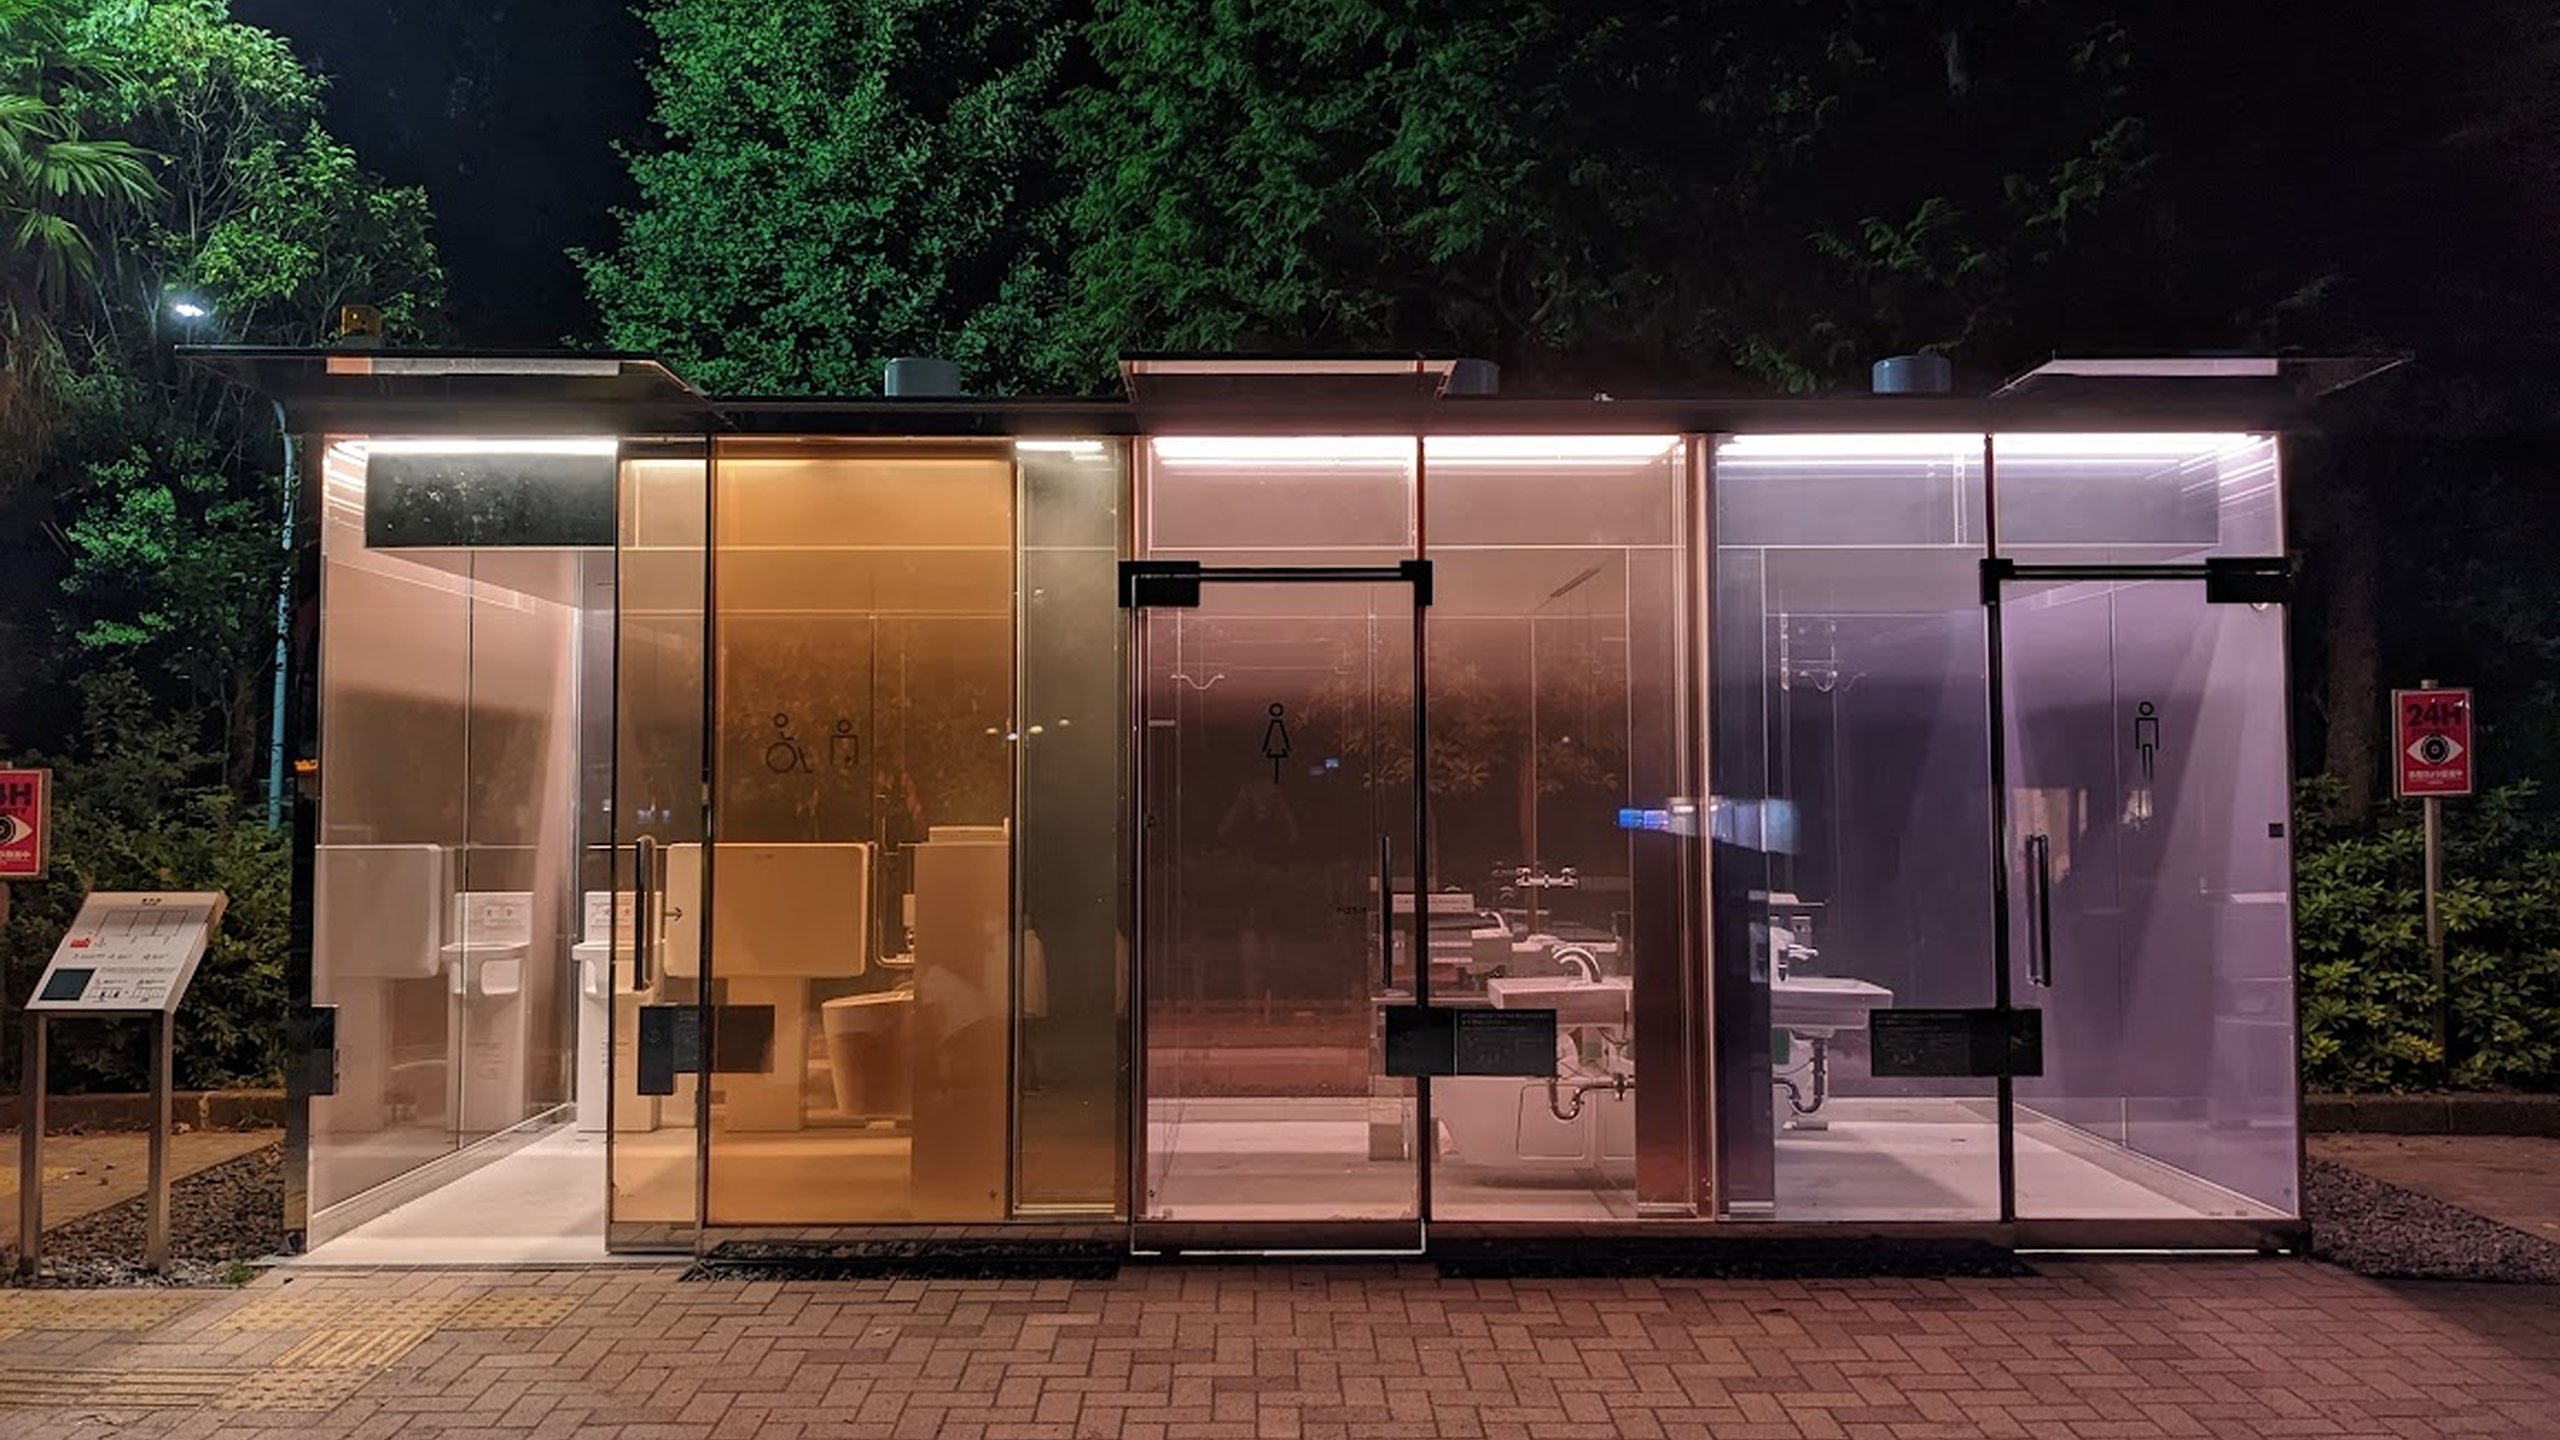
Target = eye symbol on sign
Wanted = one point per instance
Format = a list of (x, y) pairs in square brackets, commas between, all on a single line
[(2435, 750), (13, 830)]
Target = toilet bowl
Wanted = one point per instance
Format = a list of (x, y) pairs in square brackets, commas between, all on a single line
[(867, 1052)]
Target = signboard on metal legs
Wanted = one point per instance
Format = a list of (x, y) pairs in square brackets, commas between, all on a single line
[(2430, 759), (125, 954), (25, 827), (2431, 742)]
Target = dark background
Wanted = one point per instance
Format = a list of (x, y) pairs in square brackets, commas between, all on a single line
[(508, 112)]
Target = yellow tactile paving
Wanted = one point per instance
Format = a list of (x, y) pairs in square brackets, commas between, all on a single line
[(325, 1312), (294, 1390), (91, 1309), (353, 1347), (107, 1389), (513, 1312)]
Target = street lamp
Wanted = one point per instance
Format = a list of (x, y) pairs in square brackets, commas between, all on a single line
[(193, 310)]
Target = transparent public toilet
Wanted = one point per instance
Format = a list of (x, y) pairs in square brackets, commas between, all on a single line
[(1294, 806)]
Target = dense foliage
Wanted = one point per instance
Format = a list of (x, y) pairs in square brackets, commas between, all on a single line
[(2369, 997), (845, 181), (1598, 195), (153, 493)]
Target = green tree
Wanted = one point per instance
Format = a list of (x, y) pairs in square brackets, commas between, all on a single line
[(1585, 193), (164, 489), (57, 183), (843, 183)]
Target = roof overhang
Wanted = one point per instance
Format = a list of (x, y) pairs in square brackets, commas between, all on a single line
[(1155, 379), (2283, 383), (356, 392), (444, 392)]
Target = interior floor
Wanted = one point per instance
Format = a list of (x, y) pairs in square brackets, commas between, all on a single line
[(1267, 1159), (1939, 1160), (541, 1205)]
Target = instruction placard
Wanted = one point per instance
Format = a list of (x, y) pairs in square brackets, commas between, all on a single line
[(130, 951)]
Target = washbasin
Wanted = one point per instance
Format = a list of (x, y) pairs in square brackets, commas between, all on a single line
[(1575, 1000), (1821, 1004)]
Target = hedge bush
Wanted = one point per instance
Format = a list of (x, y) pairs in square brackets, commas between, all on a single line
[(2368, 992), (133, 811)]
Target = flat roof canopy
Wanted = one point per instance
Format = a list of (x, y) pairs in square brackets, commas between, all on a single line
[(389, 392)]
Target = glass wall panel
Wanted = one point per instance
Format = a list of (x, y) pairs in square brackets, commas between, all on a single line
[(445, 867), (659, 765), (1555, 669), (860, 950), (1281, 500), (1260, 834), (2149, 774), (2137, 498), (2148, 799), (1070, 1118), (1851, 826), (1276, 778)]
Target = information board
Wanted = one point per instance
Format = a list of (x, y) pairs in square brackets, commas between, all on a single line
[(1946, 1044), (1463, 1040), (129, 952), (2431, 742)]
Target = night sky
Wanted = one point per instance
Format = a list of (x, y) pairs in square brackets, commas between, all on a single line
[(507, 111)]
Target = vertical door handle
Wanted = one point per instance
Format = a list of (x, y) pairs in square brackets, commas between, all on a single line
[(2040, 950), (644, 854), (1386, 915)]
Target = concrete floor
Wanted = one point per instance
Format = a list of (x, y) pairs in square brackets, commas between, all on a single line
[(84, 1174), (1261, 1159), (542, 1205)]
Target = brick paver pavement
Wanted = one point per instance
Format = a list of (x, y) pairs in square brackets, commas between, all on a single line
[(2087, 1349)]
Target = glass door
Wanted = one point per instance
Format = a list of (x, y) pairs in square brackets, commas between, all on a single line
[(638, 971), (1277, 881), (2142, 743)]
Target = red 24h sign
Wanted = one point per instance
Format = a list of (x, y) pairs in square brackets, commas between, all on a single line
[(24, 824), (2431, 741)]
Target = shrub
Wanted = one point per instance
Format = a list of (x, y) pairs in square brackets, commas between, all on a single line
[(2368, 990), (130, 812)]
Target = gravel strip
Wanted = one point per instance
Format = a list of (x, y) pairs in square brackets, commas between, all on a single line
[(2364, 1225), (218, 1219)]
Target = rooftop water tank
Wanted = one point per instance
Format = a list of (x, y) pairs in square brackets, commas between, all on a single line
[(910, 376), (1914, 375)]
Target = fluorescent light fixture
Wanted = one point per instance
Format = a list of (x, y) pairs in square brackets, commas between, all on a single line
[(1547, 449), (1847, 446), (189, 309), (587, 365), (2127, 444), (1285, 449), (1282, 365), (2168, 367), (604, 448), (1080, 449)]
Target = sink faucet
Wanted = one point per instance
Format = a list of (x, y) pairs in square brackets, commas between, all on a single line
[(1581, 960)]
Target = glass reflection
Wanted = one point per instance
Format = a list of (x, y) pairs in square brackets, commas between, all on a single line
[(860, 936), (1554, 666), (447, 853)]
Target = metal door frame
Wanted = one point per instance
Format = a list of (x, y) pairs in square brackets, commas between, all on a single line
[(1177, 584), (2227, 580)]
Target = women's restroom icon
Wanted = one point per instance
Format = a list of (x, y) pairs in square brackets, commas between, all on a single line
[(1275, 739)]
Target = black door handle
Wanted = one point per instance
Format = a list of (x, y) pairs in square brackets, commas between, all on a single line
[(2040, 953), (644, 854), (1386, 916)]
